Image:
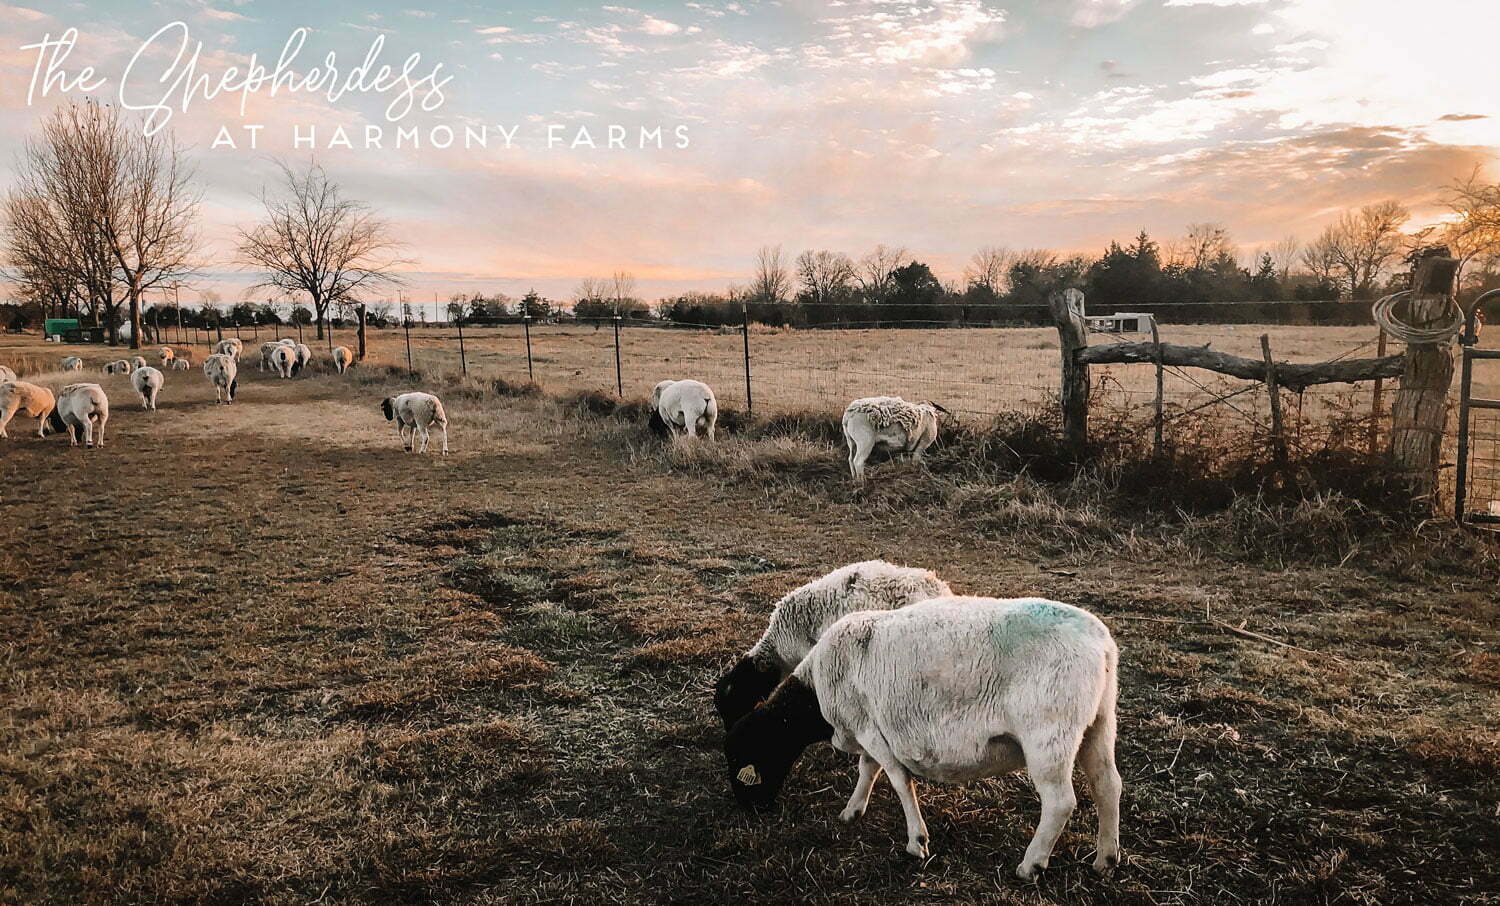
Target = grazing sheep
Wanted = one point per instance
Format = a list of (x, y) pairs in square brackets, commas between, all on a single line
[(890, 422), (82, 410), (417, 411), (342, 358), (224, 374), (72, 363), (182, 361), (137, 362), (167, 354), (147, 382), (686, 406), (118, 366), (233, 347), (304, 355), (287, 341), (282, 360), (265, 356), (952, 689), (801, 617), (27, 399), (6, 374)]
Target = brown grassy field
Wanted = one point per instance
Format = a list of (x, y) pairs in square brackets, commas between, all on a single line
[(974, 372), (258, 654)]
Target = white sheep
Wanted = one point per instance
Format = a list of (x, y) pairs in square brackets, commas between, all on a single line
[(287, 341), (27, 399), (137, 363), (952, 689), (224, 374), (167, 354), (416, 411), (118, 366), (6, 374), (182, 361), (147, 382), (82, 411), (342, 358), (801, 617), (686, 406), (233, 347), (888, 422), (72, 363), (304, 355), (265, 356), (282, 360)]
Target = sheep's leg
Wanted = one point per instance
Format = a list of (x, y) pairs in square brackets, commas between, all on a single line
[(425, 435), (100, 432), (401, 432), (88, 430), (1052, 775), (1098, 758), (6, 415), (859, 800), (445, 438), (863, 447), (906, 790)]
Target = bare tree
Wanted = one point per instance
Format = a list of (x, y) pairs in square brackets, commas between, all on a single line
[(1205, 244), (622, 291), (313, 240), (771, 282), (874, 270), (1363, 243), (1284, 255), (1320, 260), (825, 275), (1474, 233), (989, 269)]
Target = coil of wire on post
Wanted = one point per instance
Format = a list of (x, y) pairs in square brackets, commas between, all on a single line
[(1384, 314)]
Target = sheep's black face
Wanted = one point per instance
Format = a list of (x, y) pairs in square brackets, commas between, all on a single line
[(389, 408), (761, 748), (739, 691), (55, 423)]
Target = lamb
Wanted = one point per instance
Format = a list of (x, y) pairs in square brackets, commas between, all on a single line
[(890, 422), (952, 689), (167, 354), (801, 617), (233, 347), (265, 355), (342, 358), (686, 406), (118, 366), (224, 374), (82, 410), (72, 363), (147, 382), (304, 355), (27, 399), (182, 361), (137, 363), (282, 360), (6, 374), (417, 411)]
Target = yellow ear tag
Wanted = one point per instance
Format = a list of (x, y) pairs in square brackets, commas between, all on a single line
[(747, 775)]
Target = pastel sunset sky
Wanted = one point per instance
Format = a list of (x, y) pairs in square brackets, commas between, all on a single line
[(940, 125)]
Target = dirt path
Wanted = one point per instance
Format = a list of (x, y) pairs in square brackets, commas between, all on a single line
[(257, 653)]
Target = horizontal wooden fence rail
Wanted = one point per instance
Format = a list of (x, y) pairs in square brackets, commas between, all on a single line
[(1289, 375)]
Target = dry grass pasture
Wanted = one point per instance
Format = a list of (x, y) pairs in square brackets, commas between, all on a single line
[(258, 654)]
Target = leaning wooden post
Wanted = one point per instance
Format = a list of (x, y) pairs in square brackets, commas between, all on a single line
[(1159, 442), (1278, 435), (1419, 412), (1072, 337), (1375, 409)]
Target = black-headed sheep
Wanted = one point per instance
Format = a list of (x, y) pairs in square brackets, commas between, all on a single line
[(82, 411), (223, 373), (953, 690), (801, 617), (416, 412), (147, 382)]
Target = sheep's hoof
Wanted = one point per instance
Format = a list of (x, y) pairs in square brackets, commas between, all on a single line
[(851, 815), (917, 847), (1105, 863), (1030, 871)]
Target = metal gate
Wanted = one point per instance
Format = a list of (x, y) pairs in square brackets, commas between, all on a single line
[(1477, 496)]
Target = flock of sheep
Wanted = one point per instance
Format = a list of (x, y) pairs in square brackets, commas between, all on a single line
[(882, 661)]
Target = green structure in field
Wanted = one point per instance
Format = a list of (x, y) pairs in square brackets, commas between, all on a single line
[(57, 327)]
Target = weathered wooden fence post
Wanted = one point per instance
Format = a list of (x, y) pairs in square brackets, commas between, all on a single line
[(1278, 428), (1072, 337), (1419, 412), (1159, 422)]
